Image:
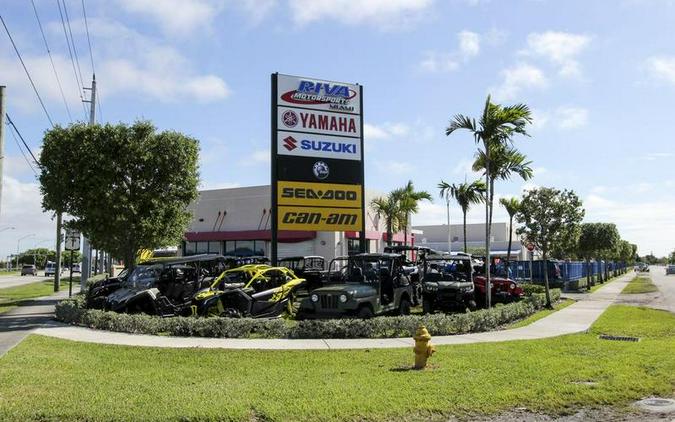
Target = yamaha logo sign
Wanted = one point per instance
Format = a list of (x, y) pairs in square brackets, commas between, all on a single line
[(317, 155)]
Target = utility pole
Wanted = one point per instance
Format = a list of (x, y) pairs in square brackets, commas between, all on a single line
[(86, 247), (447, 209), (57, 272), (2, 136)]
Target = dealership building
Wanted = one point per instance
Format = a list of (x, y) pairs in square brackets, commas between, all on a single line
[(236, 222)]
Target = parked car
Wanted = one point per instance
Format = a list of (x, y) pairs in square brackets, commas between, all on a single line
[(503, 289), (374, 284), (447, 282), (50, 269), (162, 286), (642, 267), (28, 270), (670, 269), (268, 293), (311, 268)]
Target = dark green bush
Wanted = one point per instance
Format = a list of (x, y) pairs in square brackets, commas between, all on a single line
[(529, 289), (73, 311)]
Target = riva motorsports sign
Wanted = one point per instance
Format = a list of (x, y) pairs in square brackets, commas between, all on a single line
[(317, 155)]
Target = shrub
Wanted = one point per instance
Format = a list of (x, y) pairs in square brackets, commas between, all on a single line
[(73, 311), (529, 289)]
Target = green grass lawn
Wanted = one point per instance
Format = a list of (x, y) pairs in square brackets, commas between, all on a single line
[(10, 297), (51, 379), (541, 314), (8, 273), (640, 284)]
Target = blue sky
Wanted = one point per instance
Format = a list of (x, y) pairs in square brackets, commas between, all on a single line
[(599, 76)]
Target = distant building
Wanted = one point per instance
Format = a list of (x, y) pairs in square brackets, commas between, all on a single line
[(436, 237), (237, 222)]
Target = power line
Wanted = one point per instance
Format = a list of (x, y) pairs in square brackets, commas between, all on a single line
[(21, 151), (56, 75), (27, 73), (9, 121), (86, 26), (80, 84), (72, 40)]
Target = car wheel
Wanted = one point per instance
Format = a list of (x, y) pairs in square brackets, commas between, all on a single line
[(404, 307), (472, 305), (365, 313), (427, 307)]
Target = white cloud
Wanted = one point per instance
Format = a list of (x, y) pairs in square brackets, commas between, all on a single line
[(176, 16), (662, 68), (381, 13), (560, 48), (394, 167), (468, 47), (469, 43), (517, 78), (652, 156), (571, 117), (438, 62), (647, 223), (385, 131)]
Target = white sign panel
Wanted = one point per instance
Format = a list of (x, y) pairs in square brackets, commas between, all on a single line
[(317, 94), (312, 145), (72, 240), (315, 121)]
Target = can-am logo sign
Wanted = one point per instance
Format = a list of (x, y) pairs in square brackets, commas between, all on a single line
[(334, 96)]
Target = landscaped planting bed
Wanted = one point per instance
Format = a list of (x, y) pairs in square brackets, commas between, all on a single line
[(73, 311)]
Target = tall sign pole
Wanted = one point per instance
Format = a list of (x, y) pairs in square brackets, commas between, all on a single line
[(317, 157), (86, 247), (2, 137)]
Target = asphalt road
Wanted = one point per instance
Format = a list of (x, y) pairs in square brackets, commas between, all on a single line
[(666, 285), (12, 281)]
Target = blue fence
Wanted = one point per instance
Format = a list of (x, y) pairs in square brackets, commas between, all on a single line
[(560, 273)]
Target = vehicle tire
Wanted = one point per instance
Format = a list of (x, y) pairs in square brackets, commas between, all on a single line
[(231, 313), (404, 307), (427, 307), (365, 313), (472, 305)]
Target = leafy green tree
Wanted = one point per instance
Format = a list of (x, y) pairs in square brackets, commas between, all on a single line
[(547, 215), (389, 208), (671, 258), (512, 206), (127, 186), (409, 204), (466, 194), (608, 239), (496, 126)]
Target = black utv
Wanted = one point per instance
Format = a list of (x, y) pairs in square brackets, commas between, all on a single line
[(163, 286), (447, 283)]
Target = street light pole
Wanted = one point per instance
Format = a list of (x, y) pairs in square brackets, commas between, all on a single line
[(447, 207), (18, 242)]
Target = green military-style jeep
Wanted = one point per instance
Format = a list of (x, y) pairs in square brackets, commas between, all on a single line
[(374, 284)]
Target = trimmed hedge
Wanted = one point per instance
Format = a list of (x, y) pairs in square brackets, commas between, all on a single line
[(73, 311)]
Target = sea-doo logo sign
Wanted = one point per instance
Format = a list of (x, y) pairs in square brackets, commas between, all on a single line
[(314, 94), (319, 194), (320, 170), (310, 145), (290, 143)]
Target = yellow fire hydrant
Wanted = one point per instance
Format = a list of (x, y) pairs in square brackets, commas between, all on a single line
[(423, 347)]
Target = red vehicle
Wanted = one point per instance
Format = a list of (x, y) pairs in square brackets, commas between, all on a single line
[(504, 289)]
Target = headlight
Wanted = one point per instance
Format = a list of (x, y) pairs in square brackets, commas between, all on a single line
[(315, 298), (512, 286), (343, 298), (431, 287)]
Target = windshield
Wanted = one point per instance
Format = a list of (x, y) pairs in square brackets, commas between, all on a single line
[(448, 270), (143, 277)]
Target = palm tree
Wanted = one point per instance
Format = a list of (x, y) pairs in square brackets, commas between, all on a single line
[(512, 206), (496, 126), (505, 162), (389, 207), (409, 199), (465, 194)]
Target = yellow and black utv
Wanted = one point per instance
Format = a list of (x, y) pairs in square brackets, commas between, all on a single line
[(250, 291)]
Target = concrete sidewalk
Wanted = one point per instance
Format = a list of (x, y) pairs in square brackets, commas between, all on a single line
[(572, 319), (31, 314)]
